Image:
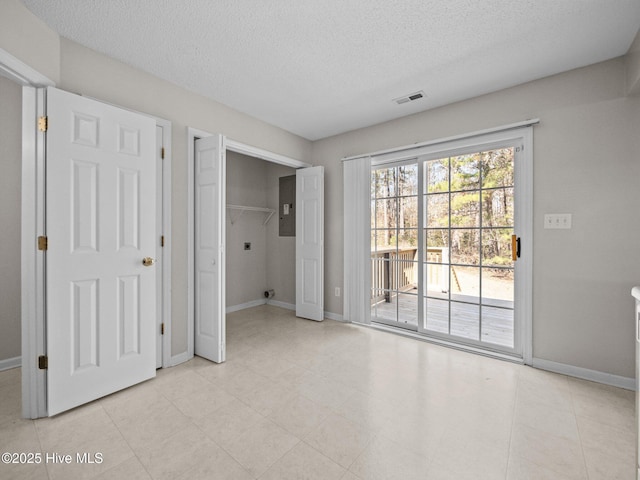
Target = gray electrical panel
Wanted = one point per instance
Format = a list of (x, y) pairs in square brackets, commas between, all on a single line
[(287, 206)]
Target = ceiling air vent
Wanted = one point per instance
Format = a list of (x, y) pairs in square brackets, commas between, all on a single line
[(409, 98)]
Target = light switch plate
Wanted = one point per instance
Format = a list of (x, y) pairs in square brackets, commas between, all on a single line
[(557, 220)]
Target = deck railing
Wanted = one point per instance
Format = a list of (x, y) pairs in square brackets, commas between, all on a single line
[(395, 270)]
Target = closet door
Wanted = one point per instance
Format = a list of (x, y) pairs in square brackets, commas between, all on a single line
[(209, 248), (310, 243)]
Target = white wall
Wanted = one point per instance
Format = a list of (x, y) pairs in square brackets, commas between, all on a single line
[(586, 162), (10, 201), (270, 264), (633, 67), (246, 270), (29, 39), (281, 251)]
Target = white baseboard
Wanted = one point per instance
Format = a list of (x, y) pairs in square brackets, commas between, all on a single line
[(9, 363), (278, 303), (585, 374), (291, 306), (334, 316), (242, 306)]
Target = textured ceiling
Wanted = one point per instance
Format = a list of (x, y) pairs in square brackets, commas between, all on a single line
[(323, 67)]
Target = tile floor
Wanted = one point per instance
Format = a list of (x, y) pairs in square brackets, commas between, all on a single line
[(304, 400)]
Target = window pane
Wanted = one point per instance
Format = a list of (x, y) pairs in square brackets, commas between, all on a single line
[(408, 239), (436, 315), (465, 209), (497, 326), (496, 247), (386, 213), (465, 246), (385, 239), (408, 308), (386, 307), (436, 279), (465, 284), (437, 208), (465, 320), (497, 287), (380, 273), (497, 207), (408, 214), (465, 172), (497, 168), (406, 271), (384, 182), (436, 239), (408, 180), (436, 175)]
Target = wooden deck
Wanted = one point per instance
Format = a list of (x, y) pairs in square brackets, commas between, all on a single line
[(497, 322)]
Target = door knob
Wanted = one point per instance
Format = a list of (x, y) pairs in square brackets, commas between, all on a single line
[(148, 261)]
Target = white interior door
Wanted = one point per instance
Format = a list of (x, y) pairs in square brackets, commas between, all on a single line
[(101, 223), (310, 243), (159, 215), (209, 248)]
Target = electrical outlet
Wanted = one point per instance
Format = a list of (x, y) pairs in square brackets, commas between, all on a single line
[(337, 291), (557, 220)]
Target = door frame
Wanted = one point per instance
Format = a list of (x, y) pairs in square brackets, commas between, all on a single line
[(194, 134), (32, 223), (33, 298)]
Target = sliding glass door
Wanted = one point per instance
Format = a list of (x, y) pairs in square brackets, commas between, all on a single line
[(443, 246), (468, 265), (394, 245)]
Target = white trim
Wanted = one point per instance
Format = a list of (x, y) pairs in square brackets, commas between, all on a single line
[(585, 374), (20, 72), (265, 155), (524, 228), (416, 146), (278, 303), (334, 316), (166, 232), (244, 306), (9, 363), (33, 225)]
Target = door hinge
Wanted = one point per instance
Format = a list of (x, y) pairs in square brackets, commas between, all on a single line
[(162, 240), (162, 329), (43, 243), (43, 123), (162, 153), (43, 362)]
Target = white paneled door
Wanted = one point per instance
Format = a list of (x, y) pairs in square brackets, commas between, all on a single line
[(101, 229), (209, 248), (310, 243)]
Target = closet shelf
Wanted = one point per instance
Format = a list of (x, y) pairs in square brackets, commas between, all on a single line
[(243, 208)]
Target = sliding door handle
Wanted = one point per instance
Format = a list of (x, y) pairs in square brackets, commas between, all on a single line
[(515, 247)]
